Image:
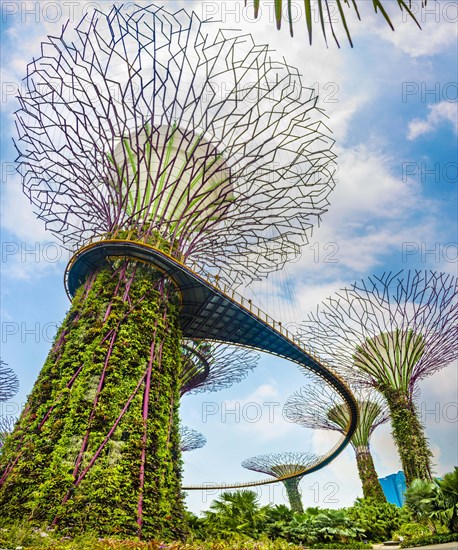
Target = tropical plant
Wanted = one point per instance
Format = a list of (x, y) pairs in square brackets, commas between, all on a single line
[(448, 500), (323, 12), (235, 513), (410, 531), (435, 502), (322, 526), (276, 519), (429, 540), (378, 520), (421, 498)]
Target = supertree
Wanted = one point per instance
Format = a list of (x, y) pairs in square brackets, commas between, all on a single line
[(209, 367), (315, 406), (190, 439), (9, 383), (177, 153), (389, 332), (6, 427), (281, 466)]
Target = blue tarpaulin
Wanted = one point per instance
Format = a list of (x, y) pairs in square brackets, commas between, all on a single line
[(394, 487)]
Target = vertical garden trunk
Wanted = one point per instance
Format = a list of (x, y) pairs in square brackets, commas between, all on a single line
[(409, 436), (294, 497), (368, 475), (97, 446)]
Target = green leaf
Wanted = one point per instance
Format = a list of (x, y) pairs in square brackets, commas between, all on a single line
[(308, 18), (344, 21), (278, 12), (378, 6)]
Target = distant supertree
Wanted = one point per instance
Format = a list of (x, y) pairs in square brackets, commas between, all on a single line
[(9, 383), (140, 132), (316, 406), (388, 333), (280, 465), (6, 427), (209, 367), (190, 439)]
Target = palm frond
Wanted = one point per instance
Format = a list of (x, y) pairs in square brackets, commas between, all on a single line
[(324, 14)]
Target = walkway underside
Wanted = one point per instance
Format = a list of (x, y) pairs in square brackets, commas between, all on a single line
[(210, 312)]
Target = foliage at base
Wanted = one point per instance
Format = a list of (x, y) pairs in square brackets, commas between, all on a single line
[(409, 435), (368, 476), (97, 446), (379, 520), (430, 539), (352, 545)]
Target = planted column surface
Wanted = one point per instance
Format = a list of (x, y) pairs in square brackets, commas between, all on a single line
[(409, 436), (368, 474), (97, 446), (294, 496)]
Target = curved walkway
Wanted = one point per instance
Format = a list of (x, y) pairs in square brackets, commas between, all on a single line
[(212, 312)]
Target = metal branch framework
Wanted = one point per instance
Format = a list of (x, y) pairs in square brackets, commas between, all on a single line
[(6, 427), (190, 439), (316, 406), (209, 367), (139, 120), (388, 333), (393, 329), (282, 466), (9, 382)]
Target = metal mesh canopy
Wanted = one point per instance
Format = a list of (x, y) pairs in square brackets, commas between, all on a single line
[(390, 330), (280, 465), (209, 367), (138, 120), (190, 439), (316, 406), (6, 427), (9, 383)]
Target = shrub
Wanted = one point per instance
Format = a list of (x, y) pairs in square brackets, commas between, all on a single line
[(378, 520), (431, 539), (411, 530), (352, 545)]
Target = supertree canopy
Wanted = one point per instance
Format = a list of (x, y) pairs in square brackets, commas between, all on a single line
[(284, 465), (143, 123), (9, 383), (6, 427), (388, 333), (315, 406), (141, 132), (190, 439), (209, 367)]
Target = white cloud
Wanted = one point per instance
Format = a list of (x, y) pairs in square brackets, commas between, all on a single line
[(439, 113), (438, 29)]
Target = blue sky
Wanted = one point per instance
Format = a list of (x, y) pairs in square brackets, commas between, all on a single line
[(392, 108)]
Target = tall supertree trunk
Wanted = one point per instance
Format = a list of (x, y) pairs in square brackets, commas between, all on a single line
[(368, 474), (294, 496), (97, 446), (409, 435)]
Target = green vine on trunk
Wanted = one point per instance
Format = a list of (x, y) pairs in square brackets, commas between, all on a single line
[(408, 434), (368, 475), (294, 496), (75, 457)]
